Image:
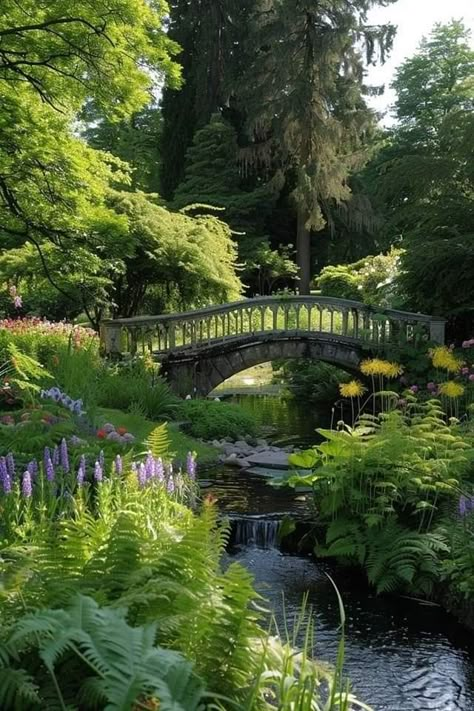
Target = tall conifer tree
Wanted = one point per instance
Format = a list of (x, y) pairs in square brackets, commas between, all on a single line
[(303, 94)]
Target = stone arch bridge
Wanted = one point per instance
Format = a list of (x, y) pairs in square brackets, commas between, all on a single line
[(198, 350)]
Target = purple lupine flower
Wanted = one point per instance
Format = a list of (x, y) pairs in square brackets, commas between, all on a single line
[(149, 466), (64, 455), (191, 465), (26, 485), (142, 477), (33, 468), (102, 458), (118, 464), (46, 457), (49, 470), (463, 502), (10, 465), (414, 389), (98, 472), (4, 476), (170, 485), (134, 468), (159, 469), (56, 456), (81, 472)]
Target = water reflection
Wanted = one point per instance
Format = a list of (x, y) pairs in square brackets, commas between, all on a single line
[(400, 655), (285, 420)]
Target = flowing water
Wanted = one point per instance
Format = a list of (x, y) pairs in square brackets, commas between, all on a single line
[(401, 655)]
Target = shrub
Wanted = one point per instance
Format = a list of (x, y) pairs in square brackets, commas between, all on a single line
[(313, 381), (213, 420), (373, 280), (136, 388)]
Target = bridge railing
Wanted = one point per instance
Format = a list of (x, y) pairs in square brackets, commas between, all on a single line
[(290, 315)]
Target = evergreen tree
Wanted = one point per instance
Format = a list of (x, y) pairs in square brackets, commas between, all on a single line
[(213, 178), (210, 33), (303, 95)]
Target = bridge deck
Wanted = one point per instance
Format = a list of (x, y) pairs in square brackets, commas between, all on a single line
[(277, 316)]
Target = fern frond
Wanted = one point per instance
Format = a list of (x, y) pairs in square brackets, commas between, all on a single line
[(158, 441)]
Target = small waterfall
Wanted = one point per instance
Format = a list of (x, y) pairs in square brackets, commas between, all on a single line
[(258, 532)]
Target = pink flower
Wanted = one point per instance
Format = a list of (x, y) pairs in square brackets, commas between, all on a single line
[(471, 377), (465, 371), (414, 388)]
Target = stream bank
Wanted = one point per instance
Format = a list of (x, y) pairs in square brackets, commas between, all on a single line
[(401, 654)]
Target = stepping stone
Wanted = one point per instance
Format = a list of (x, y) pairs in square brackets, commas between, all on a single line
[(265, 472), (269, 460)]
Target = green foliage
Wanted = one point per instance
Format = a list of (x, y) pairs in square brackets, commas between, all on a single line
[(158, 441), (134, 140), (423, 177), (69, 354), (382, 488), (313, 381), (54, 208), (120, 665), (305, 109), (126, 603), (272, 266), (208, 420), (372, 280), (213, 178), (394, 556), (136, 389)]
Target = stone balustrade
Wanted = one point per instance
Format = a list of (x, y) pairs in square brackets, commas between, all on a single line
[(293, 316)]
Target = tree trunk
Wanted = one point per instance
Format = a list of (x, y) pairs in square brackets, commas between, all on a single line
[(303, 252)]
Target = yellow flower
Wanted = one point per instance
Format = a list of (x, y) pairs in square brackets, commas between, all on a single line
[(442, 357), (376, 366), (393, 370), (451, 389), (352, 389)]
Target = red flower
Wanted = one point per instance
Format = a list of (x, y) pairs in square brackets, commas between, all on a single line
[(101, 434)]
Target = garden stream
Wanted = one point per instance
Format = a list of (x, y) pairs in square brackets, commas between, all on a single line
[(401, 655)]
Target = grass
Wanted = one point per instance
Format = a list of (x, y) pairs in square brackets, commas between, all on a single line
[(181, 443)]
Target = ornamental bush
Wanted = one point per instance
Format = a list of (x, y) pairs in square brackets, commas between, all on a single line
[(207, 419)]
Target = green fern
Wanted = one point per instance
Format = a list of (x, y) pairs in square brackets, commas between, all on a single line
[(158, 441), (398, 557), (122, 662)]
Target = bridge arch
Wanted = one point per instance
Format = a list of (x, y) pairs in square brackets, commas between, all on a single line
[(202, 372)]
